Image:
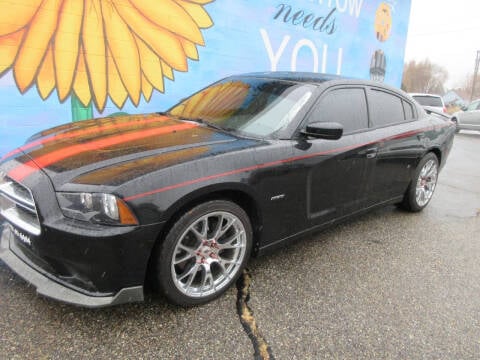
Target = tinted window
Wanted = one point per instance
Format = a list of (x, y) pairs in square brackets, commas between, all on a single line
[(385, 108), (408, 109), (345, 106), (426, 100)]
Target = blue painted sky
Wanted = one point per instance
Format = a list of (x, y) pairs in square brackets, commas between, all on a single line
[(233, 45)]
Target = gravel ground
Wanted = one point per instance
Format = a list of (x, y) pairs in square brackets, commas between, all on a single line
[(390, 285)]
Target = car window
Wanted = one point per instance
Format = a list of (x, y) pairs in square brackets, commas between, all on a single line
[(385, 108), (473, 106), (427, 100), (408, 110), (347, 106), (478, 106), (255, 107)]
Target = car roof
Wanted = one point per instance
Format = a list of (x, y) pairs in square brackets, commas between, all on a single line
[(315, 78), (294, 76)]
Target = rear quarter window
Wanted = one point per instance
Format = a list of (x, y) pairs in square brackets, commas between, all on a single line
[(408, 110)]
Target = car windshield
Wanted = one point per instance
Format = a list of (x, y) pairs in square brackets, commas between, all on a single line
[(253, 107), (426, 100)]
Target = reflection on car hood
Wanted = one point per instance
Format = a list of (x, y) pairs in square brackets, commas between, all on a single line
[(110, 151)]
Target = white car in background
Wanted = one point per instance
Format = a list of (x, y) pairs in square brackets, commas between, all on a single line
[(469, 118), (430, 102)]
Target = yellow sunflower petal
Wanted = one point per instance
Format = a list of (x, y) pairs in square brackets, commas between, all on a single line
[(165, 44), (123, 48), (116, 89), (16, 14), (46, 75), (147, 88), (94, 47), (167, 70), (170, 16), (65, 50), (190, 49), (151, 65), (35, 44), (9, 45), (197, 12), (81, 85)]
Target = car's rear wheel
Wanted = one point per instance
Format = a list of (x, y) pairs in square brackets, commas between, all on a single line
[(423, 184), (203, 253)]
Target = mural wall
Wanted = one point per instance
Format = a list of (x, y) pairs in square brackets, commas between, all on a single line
[(69, 60)]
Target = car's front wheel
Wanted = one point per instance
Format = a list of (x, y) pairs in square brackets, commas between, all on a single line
[(423, 184), (203, 253), (455, 121)]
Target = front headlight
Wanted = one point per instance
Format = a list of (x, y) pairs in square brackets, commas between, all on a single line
[(96, 208)]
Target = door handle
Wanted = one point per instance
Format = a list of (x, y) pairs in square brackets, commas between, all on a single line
[(371, 153)]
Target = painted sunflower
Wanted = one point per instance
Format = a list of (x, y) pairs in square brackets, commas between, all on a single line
[(99, 48)]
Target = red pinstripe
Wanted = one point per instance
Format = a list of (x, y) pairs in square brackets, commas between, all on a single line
[(277, 162)]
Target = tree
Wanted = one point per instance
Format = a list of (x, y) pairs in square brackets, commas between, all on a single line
[(464, 89), (424, 77)]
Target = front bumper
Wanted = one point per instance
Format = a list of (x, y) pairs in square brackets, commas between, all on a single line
[(50, 288)]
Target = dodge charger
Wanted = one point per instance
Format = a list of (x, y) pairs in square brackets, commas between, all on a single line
[(93, 211)]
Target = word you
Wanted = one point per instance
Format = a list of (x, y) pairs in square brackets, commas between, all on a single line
[(276, 55)]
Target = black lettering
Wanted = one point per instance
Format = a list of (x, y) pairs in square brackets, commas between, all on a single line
[(283, 7), (324, 21), (307, 20), (317, 23), (297, 17)]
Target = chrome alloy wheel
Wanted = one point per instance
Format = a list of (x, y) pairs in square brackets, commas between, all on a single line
[(426, 182), (208, 254)]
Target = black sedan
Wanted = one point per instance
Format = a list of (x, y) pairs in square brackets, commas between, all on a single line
[(91, 210)]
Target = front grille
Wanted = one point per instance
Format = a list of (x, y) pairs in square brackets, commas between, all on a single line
[(17, 205)]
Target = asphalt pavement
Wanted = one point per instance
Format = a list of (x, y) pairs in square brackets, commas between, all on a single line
[(387, 285)]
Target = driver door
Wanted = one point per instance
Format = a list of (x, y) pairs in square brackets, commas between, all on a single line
[(338, 170)]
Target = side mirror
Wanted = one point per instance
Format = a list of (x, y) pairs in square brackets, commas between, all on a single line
[(324, 130)]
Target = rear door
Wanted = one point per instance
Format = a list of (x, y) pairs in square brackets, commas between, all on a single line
[(399, 139)]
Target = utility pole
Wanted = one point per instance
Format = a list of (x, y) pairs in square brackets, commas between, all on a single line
[(477, 62)]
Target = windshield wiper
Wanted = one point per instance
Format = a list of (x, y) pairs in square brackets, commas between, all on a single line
[(207, 123)]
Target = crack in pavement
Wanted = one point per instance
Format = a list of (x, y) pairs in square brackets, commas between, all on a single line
[(245, 313)]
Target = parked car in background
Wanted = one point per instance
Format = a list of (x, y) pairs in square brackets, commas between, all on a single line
[(469, 118), (92, 209), (430, 102)]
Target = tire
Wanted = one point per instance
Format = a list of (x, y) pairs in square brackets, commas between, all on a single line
[(199, 260), (423, 184), (457, 129)]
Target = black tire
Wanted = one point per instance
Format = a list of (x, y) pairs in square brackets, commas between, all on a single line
[(457, 130), (191, 253), (410, 201)]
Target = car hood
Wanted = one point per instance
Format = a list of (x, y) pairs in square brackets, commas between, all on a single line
[(113, 150)]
